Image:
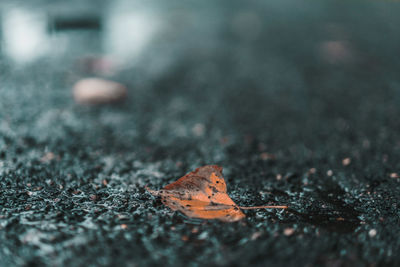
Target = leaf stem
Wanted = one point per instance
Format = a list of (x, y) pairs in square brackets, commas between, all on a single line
[(153, 192), (264, 207)]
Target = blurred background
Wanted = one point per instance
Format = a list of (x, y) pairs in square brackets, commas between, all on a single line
[(297, 100), (226, 67)]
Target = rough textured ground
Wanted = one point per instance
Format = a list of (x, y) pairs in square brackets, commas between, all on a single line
[(268, 105)]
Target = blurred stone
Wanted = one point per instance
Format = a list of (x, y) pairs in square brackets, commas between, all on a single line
[(346, 161), (267, 156), (198, 129), (372, 233), (335, 52), (312, 171), (288, 231), (96, 65), (98, 91), (256, 235)]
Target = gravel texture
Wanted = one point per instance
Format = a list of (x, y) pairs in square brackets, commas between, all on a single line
[(254, 87)]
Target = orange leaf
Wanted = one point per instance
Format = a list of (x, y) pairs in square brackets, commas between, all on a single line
[(202, 194)]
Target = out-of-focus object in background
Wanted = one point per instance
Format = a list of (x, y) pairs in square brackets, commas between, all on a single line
[(24, 35), (92, 65), (128, 29), (336, 52), (98, 91)]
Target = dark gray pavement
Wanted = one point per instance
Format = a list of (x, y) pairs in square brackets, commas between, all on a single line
[(297, 100)]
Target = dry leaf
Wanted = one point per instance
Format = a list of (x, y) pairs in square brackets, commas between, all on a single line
[(202, 194)]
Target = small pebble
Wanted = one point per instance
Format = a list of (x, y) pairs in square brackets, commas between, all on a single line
[(267, 156), (198, 129), (101, 65), (329, 173), (203, 236), (98, 91), (372, 233), (48, 157), (256, 235), (288, 231), (346, 161), (334, 52)]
